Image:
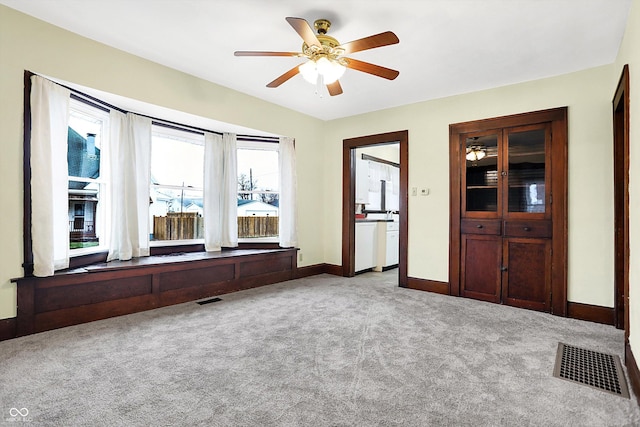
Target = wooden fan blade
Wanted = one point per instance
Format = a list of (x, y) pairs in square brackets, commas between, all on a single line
[(383, 39), (258, 53), (303, 28), (334, 88), (376, 70), (283, 78)]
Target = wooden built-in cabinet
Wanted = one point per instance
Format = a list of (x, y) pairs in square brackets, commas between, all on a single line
[(508, 210), (122, 287)]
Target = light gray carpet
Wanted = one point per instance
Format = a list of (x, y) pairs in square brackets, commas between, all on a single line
[(320, 351)]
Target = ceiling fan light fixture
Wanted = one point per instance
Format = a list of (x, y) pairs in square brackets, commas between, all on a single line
[(329, 70), (326, 62), (309, 71), (475, 153)]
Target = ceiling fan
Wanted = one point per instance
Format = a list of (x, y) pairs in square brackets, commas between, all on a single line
[(325, 56)]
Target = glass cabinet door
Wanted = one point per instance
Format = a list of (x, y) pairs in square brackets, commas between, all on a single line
[(526, 171), (481, 159)]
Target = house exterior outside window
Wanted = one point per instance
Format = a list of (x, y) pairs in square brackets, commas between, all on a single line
[(88, 180)]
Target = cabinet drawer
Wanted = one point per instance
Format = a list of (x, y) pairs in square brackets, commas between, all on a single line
[(481, 226), (527, 229), (393, 226)]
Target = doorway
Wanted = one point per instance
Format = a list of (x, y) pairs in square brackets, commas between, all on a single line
[(349, 198), (621, 201)]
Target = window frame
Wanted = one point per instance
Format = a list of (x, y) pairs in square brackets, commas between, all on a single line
[(103, 182)]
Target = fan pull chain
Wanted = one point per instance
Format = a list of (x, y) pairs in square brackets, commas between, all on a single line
[(319, 84)]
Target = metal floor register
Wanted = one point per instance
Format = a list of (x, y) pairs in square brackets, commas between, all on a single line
[(597, 370)]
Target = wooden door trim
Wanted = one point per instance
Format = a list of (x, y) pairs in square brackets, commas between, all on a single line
[(621, 178), (559, 129), (348, 198)]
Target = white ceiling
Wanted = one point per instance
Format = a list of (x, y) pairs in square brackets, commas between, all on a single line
[(446, 47)]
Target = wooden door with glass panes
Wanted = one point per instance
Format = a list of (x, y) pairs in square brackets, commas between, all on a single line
[(505, 225)]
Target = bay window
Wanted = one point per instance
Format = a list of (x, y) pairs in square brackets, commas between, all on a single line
[(100, 138)]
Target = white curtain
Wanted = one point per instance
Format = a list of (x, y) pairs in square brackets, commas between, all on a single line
[(229, 214), (220, 191), (287, 222), (130, 145), (49, 172), (212, 189)]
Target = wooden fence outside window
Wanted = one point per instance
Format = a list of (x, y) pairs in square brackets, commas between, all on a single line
[(190, 225)]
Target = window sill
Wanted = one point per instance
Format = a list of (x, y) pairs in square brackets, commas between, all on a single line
[(96, 255), (167, 243), (91, 250)]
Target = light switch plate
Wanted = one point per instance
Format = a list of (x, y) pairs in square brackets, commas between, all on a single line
[(414, 191)]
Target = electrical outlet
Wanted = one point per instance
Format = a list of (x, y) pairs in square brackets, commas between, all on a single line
[(414, 191), (300, 256)]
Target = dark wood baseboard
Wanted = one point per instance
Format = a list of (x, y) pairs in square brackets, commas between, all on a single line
[(591, 313), (336, 270), (632, 371), (309, 270), (428, 285), (7, 328)]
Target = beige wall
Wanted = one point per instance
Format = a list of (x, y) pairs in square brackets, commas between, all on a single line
[(630, 54), (587, 94), (27, 43)]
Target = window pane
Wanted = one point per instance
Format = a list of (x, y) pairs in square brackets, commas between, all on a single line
[(176, 214), (257, 218), (258, 170), (84, 142), (85, 136), (258, 197), (482, 173), (83, 214), (527, 171), (177, 161)]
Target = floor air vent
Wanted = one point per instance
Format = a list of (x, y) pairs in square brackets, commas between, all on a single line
[(209, 301), (597, 370)]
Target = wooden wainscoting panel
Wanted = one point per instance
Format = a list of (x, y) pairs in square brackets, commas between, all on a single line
[(89, 313), (269, 264), (113, 289), (211, 289), (50, 299), (7, 328), (195, 277)]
